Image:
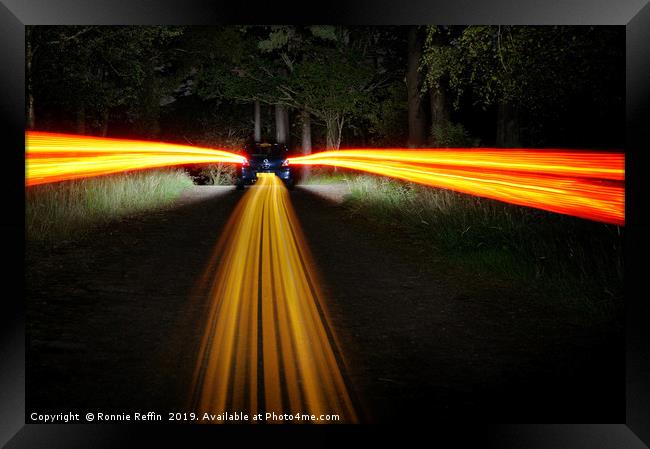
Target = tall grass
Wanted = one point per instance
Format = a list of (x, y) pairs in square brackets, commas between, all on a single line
[(67, 210), (565, 257), (327, 175)]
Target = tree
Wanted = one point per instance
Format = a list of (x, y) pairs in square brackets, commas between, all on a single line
[(437, 57), (416, 117), (90, 72), (333, 84), (532, 70), (326, 73), (388, 120), (235, 68), (47, 40), (290, 44), (258, 121), (336, 77)]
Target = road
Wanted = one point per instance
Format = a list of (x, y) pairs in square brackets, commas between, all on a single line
[(375, 330)]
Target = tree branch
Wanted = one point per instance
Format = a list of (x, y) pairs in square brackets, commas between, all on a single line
[(74, 36)]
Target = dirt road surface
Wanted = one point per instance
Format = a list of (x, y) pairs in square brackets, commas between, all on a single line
[(114, 323)]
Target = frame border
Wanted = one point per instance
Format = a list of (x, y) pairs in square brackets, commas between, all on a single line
[(634, 14)]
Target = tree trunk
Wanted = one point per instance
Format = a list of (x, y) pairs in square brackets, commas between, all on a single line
[(306, 141), (339, 131), (306, 132), (334, 125), (333, 133), (280, 124), (104, 122), (258, 122), (29, 56), (287, 130), (150, 108), (439, 111), (81, 118), (507, 125), (416, 116)]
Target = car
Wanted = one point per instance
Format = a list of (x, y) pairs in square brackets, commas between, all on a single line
[(265, 158)]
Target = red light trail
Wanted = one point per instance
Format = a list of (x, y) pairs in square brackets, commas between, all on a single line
[(585, 184), (60, 157)]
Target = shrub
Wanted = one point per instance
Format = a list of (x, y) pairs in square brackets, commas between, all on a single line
[(450, 135), (215, 175)]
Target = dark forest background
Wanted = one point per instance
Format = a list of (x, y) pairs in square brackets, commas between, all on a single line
[(331, 86)]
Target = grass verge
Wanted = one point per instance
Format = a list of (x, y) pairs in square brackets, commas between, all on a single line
[(326, 175), (562, 259), (67, 210)]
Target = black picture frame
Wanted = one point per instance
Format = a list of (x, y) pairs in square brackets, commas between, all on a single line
[(633, 14)]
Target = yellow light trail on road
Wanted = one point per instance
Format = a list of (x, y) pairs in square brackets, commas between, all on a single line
[(268, 346)]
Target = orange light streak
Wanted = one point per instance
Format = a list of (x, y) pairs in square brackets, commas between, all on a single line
[(585, 184), (54, 157)]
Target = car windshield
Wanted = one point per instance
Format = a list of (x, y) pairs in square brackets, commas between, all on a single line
[(267, 151)]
